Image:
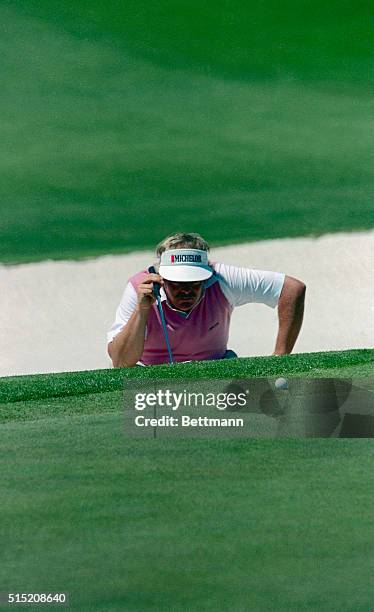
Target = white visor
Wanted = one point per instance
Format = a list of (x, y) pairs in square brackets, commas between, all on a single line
[(185, 265)]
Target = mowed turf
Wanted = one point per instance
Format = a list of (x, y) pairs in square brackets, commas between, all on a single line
[(123, 123), (181, 524), (357, 362), (185, 525)]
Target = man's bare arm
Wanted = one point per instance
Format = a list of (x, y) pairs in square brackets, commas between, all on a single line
[(127, 347), (290, 314)]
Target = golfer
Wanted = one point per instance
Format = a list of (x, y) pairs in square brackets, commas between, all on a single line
[(197, 299)]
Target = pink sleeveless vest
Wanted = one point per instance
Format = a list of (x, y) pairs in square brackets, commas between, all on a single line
[(202, 335)]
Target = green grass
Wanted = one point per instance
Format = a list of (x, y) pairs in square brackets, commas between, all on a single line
[(358, 362), (248, 41), (120, 126), (180, 524), (185, 525)]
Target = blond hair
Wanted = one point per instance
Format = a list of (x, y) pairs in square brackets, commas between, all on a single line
[(182, 240)]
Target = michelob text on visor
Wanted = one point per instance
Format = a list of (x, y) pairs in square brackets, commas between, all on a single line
[(185, 265)]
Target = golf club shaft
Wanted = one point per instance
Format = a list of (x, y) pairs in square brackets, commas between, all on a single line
[(156, 292), (160, 309)]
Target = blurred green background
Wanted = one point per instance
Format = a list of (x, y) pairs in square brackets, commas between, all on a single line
[(124, 121)]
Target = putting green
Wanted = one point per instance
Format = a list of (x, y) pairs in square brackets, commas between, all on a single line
[(202, 524), (16, 389), (185, 524), (116, 133)]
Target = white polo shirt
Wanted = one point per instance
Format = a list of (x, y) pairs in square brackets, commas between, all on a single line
[(239, 285)]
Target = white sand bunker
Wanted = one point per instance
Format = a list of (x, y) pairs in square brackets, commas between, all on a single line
[(54, 315)]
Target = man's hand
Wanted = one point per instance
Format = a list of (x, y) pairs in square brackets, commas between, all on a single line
[(127, 347), (146, 296), (290, 314)]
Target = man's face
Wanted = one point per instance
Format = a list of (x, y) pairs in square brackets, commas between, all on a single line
[(183, 296)]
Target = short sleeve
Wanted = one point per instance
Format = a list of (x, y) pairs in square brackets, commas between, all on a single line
[(246, 285), (124, 311)]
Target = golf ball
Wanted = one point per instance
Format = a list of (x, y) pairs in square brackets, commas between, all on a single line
[(281, 383)]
